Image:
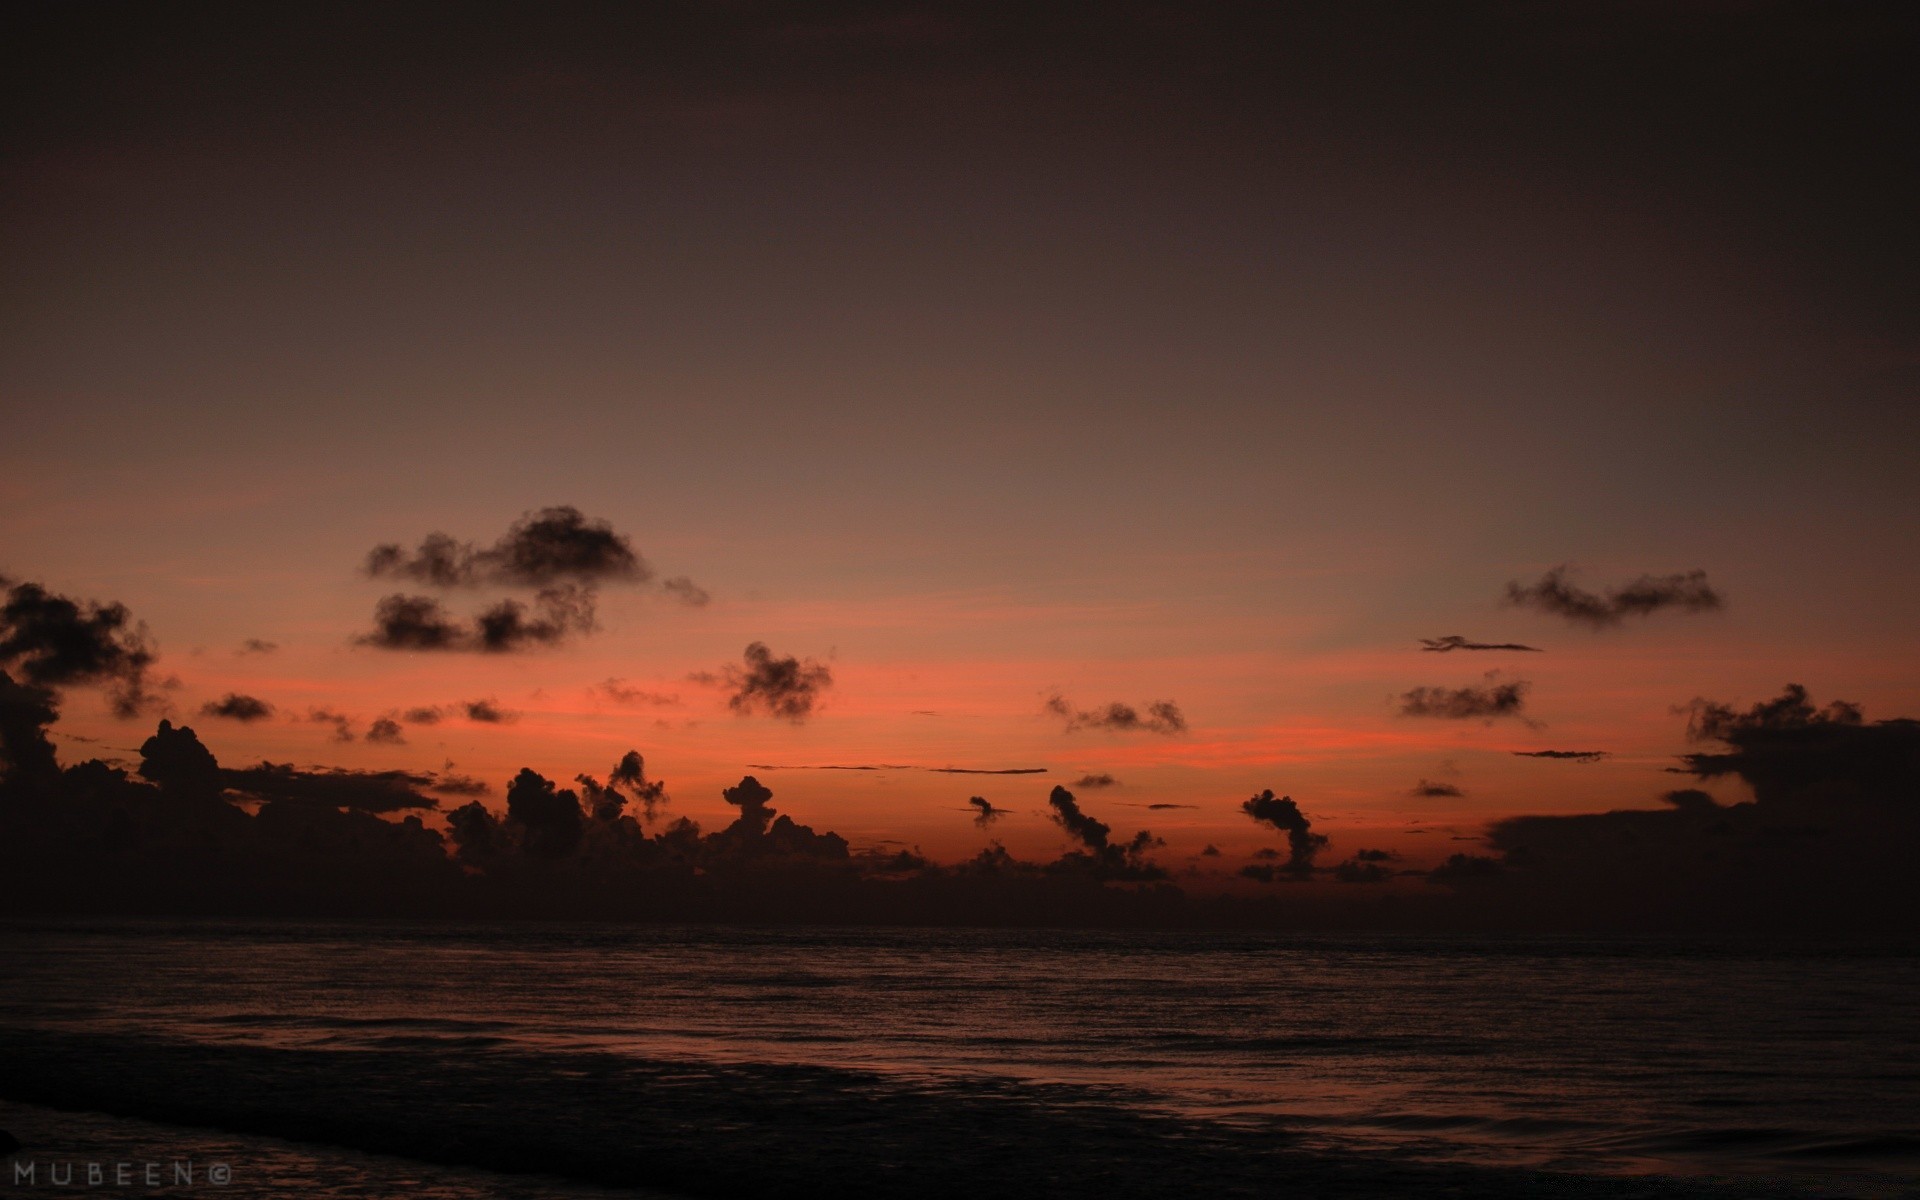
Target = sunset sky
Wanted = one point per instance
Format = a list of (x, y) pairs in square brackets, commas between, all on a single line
[(982, 358)]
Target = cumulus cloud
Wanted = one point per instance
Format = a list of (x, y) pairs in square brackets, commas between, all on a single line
[(1553, 593), (543, 548), (1486, 702), (617, 691), (1427, 787), (687, 592), (1454, 641), (1095, 782), (1102, 857), (423, 715), (237, 707), (487, 711), (1161, 716), (447, 783), (415, 623), (985, 813), (48, 640), (386, 731), (1281, 813), (422, 623), (342, 724), (1583, 756), (556, 614), (787, 688), (1087, 830), (1466, 869), (1791, 753), (627, 782)]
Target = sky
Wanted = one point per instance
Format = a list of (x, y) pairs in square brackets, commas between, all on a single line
[(979, 356)]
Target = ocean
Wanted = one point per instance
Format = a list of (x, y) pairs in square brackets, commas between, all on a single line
[(457, 1060)]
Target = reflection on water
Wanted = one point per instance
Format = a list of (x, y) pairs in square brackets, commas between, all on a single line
[(1604, 1055)]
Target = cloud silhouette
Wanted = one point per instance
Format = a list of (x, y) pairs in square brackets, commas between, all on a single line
[(1162, 716), (1091, 833), (257, 646), (543, 548), (422, 623), (1092, 781), (556, 614), (1454, 641), (1552, 593), (1584, 756), (449, 783), (617, 691), (1427, 787), (687, 592), (48, 640), (488, 712), (1284, 815), (386, 731), (403, 622), (985, 813), (236, 707), (1489, 702), (342, 724), (787, 688)]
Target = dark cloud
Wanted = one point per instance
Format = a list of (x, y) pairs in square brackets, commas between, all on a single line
[(988, 770), (488, 712), (687, 592), (415, 623), (985, 813), (1210, 851), (787, 688), (47, 640), (342, 724), (1355, 870), (1489, 701), (1455, 642), (235, 707), (1095, 782), (1427, 787), (257, 646), (449, 784), (549, 816), (627, 782), (1690, 799), (1087, 830), (386, 731), (1552, 593), (1466, 868), (1584, 756), (26, 710), (423, 623), (331, 787), (1162, 716), (1163, 806), (556, 614), (541, 549), (1792, 754), (1284, 815), (617, 691), (1102, 857), (425, 715), (1365, 866)]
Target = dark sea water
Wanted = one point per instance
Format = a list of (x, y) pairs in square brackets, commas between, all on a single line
[(556, 1060)]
